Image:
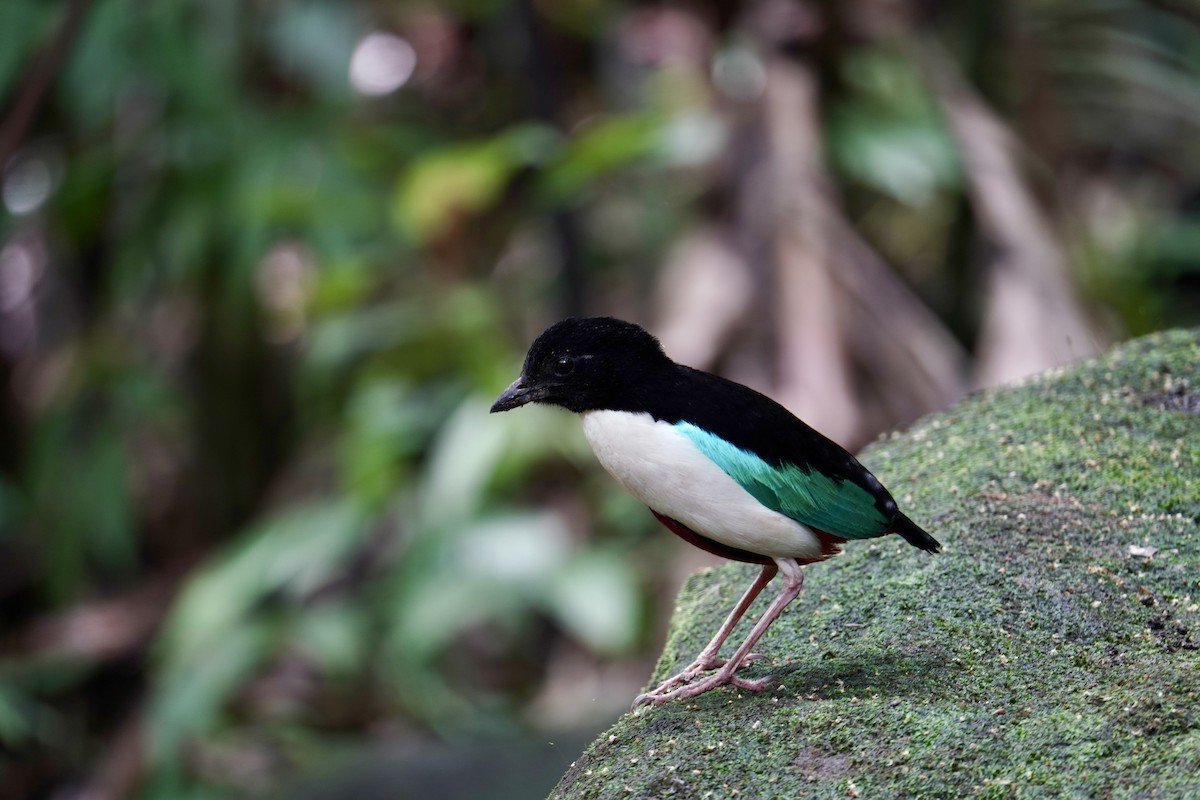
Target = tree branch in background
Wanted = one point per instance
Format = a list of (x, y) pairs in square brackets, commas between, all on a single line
[(1032, 319), (814, 369), (21, 113), (100, 630), (119, 769), (915, 364), (848, 301), (705, 291)]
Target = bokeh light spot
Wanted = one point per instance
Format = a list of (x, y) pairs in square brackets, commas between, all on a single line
[(381, 64)]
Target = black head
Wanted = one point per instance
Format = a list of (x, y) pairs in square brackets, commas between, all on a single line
[(585, 364)]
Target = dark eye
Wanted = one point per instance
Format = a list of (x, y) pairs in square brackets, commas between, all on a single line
[(564, 366)]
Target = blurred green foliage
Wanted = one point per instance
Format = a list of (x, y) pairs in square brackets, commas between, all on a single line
[(250, 497), (245, 362)]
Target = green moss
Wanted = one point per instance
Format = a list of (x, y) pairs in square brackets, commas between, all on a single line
[(1037, 656)]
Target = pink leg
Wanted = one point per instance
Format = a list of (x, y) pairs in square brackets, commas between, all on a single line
[(708, 656), (793, 577)]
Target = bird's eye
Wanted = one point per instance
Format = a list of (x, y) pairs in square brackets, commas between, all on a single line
[(564, 366)]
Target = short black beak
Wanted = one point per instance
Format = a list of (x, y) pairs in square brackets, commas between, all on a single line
[(517, 394)]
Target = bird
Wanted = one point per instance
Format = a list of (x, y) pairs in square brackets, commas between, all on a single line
[(721, 465)]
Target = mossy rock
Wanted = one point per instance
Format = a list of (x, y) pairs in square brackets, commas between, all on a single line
[(1050, 650)]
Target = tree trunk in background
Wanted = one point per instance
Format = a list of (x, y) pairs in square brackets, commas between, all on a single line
[(814, 376), (1032, 319)]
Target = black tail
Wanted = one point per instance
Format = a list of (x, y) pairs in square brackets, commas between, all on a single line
[(915, 535)]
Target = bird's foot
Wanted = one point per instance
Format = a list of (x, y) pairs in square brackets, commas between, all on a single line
[(687, 680), (694, 670), (709, 664), (724, 677)]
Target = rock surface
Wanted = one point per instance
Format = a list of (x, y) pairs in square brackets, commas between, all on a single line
[(1053, 649)]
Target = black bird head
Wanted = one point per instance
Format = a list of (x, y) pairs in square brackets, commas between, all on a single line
[(586, 364)]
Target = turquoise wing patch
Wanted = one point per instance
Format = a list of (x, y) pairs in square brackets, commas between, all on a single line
[(842, 508)]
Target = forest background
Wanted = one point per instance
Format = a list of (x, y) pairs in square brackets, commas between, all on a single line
[(263, 265)]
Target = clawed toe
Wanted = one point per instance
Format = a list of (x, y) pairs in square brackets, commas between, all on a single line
[(725, 677), (689, 682), (709, 664), (752, 684)]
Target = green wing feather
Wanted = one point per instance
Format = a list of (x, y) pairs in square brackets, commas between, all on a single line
[(839, 507)]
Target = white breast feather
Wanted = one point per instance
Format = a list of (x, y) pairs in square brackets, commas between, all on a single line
[(662, 468)]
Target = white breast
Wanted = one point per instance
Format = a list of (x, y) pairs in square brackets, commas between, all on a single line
[(662, 468)]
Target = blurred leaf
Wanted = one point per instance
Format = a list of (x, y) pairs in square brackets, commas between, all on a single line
[(79, 498), (488, 574), (24, 24), (580, 17), (1125, 79), (451, 338), (341, 284), (335, 636), (340, 339), (216, 635), (622, 513), (385, 420), (15, 725), (289, 555), (596, 597), (909, 161), (443, 187), (888, 134), (10, 508), (601, 147), (315, 40), (516, 549), (192, 692), (537, 435), (435, 613), (461, 464), (100, 64), (1175, 249)]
